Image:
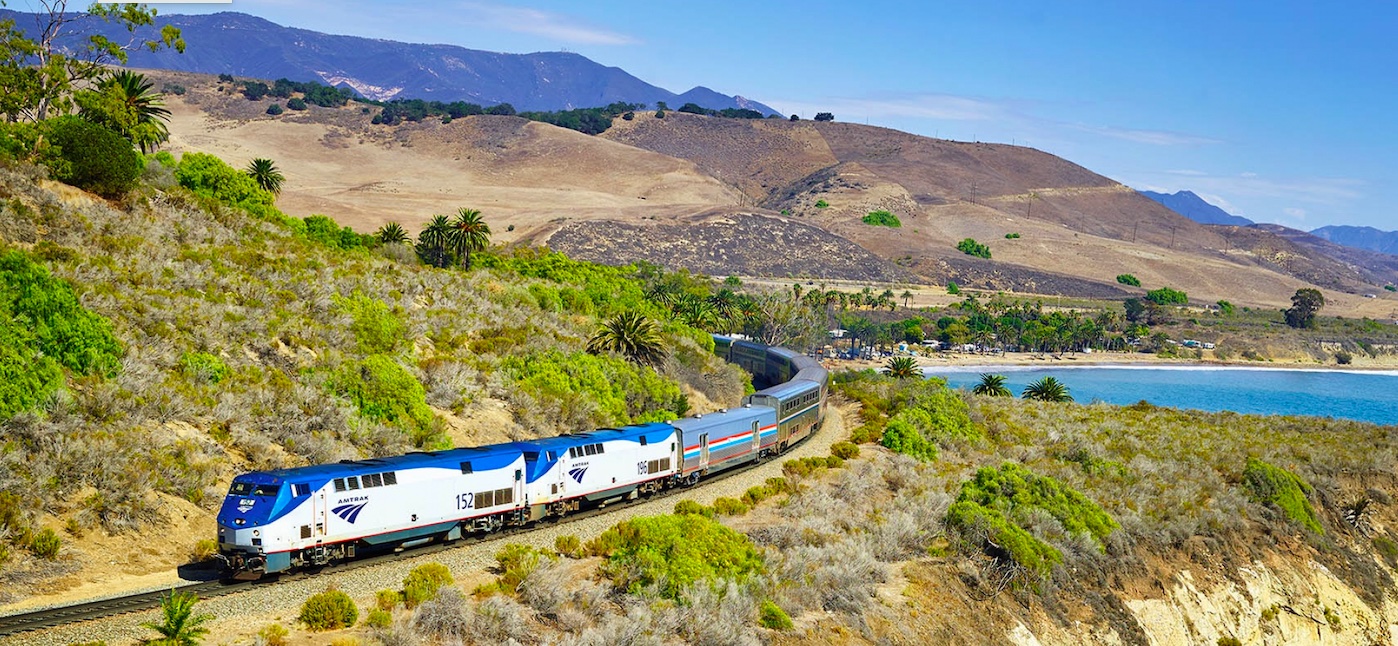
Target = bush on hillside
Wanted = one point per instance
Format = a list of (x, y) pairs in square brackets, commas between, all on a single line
[(297, 104), (986, 509), (54, 318), (326, 231), (329, 610), (385, 391), (204, 367), (882, 219), (1128, 279), (376, 327), (1271, 485), (208, 176), (95, 158), (584, 391), (972, 248), (275, 109), (423, 582), (674, 552), (1167, 296)]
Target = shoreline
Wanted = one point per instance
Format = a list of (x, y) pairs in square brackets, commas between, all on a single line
[(1019, 362)]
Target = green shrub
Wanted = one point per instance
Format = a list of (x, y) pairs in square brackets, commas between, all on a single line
[(27, 375), (204, 550), (953, 288), (1391, 288), (1167, 296), (676, 551), (594, 391), (1229, 641), (204, 367), (1271, 485), (845, 450), (209, 177), (1011, 236), (275, 109), (972, 248), (329, 610), (771, 615), (55, 320), (423, 582), (988, 503), (46, 544), (882, 219), (296, 103), (385, 391), (515, 562), (568, 545), (325, 231), (1343, 358), (1128, 279), (376, 327), (730, 507), (900, 436), (95, 158), (820, 204), (387, 599), (379, 618), (273, 635), (691, 507)]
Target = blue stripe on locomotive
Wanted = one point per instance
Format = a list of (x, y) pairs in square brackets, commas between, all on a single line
[(483, 458)]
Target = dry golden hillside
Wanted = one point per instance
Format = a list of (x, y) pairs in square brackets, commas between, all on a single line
[(653, 179)]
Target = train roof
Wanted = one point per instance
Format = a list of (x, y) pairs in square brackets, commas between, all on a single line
[(482, 458), (789, 389), (743, 415)]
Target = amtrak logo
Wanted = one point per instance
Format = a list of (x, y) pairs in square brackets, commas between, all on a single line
[(245, 504), (349, 512), (577, 473)]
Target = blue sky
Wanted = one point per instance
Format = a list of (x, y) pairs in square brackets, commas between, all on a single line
[(1278, 111)]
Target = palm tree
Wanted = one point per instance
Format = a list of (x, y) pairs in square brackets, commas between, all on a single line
[(180, 627), (391, 233), (902, 368), (265, 173), (907, 298), (992, 385), (1047, 389), (469, 233), (141, 111), (432, 241), (631, 335)]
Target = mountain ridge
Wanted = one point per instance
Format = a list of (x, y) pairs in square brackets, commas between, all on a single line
[(1196, 208), (1367, 238), (249, 46)]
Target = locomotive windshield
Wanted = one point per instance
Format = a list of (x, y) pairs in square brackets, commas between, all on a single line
[(248, 488)]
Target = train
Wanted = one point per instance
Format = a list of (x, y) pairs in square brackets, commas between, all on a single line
[(288, 519)]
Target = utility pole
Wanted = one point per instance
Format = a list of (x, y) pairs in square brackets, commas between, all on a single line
[(1134, 226), (1172, 236), (973, 192)]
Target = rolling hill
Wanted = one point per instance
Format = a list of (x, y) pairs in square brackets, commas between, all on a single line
[(248, 46), (712, 194)]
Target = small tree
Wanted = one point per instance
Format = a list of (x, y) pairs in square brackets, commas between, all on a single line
[(179, 625), (1128, 279), (469, 233), (824, 116), (632, 335), (1167, 296), (265, 173), (1304, 306)]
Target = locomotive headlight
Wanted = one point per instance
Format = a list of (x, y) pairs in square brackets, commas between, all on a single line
[(256, 533)]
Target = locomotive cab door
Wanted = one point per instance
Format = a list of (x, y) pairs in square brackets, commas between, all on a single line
[(318, 509), (703, 451)]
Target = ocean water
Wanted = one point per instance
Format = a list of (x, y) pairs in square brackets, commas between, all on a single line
[(1365, 396)]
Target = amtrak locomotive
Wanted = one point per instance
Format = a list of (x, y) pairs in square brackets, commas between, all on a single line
[(274, 521)]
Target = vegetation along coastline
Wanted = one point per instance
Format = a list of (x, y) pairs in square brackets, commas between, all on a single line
[(169, 323)]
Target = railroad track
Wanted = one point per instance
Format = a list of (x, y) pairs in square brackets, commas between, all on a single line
[(64, 615)]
